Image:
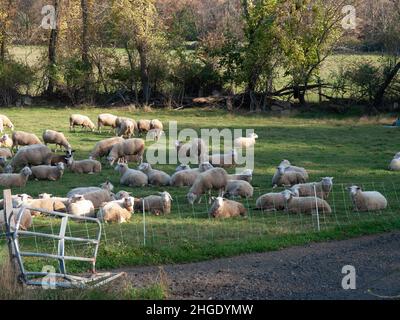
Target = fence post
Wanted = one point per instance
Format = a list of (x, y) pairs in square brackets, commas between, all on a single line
[(316, 207), (144, 224)]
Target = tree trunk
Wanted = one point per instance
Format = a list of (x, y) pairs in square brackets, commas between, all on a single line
[(85, 45), (144, 73), (53, 52), (378, 100), (3, 44)]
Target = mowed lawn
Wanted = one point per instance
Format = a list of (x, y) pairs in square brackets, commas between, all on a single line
[(352, 150)]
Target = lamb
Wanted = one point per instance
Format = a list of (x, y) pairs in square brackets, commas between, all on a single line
[(131, 177), (26, 220), (287, 178), (156, 124), (287, 166), (195, 149), (156, 177), (6, 122), (79, 206), (223, 160), (126, 128), (119, 211), (103, 147), (214, 179), (308, 205), (223, 208), (84, 166), (246, 175), (144, 126), (5, 153), (83, 190), (48, 172), (157, 205), (239, 188), (50, 204), (271, 202), (395, 163), (106, 120), (367, 200), (126, 148), (99, 197), (245, 143), (6, 142), (122, 195), (57, 138), (322, 189), (13, 180), (34, 155), (21, 138), (80, 120)]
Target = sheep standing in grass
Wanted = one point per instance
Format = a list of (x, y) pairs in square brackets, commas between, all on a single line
[(6, 122), (245, 143), (84, 190), (6, 142), (126, 128), (131, 177), (367, 200), (156, 124), (15, 180), (57, 138), (84, 166), (119, 211), (238, 188), (79, 206), (156, 177), (271, 202), (307, 205), (48, 172), (223, 208), (157, 205), (121, 120), (214, 179), (322, 189), (144, 126), (227, 160), (34, 155), (287, 178), (80, 120), (395, 163), (246, 175), (21, 138), (103, 147), (127, 148), (106, 120)]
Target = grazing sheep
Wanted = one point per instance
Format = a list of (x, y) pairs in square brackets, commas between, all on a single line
[(26, 220), (287, 166), (5, 153), (238, 188), (84, 190), (271, 202), (283, 178), (15, 180), (126, 128), (120, 120), (322, 189), (122, 195), (80, 120), (21, 138), (156, 177), (367, 200), (84, 166), (103, 147), (99, 197), (144, 126), (48, 172), (156, 124), (126, 148), (305, 204), (195, 149), (155, 204), (6, 142), (6, 122), (63, 158), (34, 155), (131, 177), (50, 204), (57, 138), (79, 206), (119, 211), (223, 208), (246, 175), (246, 143), (214, 179), (106, 120), (395, 163), (224, 160)]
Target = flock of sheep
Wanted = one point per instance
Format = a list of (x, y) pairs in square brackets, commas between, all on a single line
[(34, 159)]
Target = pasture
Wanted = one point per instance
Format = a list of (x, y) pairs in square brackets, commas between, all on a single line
[(352, 150)]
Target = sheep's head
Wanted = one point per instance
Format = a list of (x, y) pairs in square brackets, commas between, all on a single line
[(182, 167), (191, 197), (253, 136), (26, 172), (45, 196), (77, 198), (281, 169), (107, 186), (166, 197), (145, 167), (4, 138), (327, 181), (205, 166), (129, 204), (285, 162), (353, 190), (217, 205)]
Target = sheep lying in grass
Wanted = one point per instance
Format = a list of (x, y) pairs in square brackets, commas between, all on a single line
[(83, 190), (50, 196), (48, 172), (49, 204), (122, 195), (106, 120), (185, 176), (157, 205), (156, 177), (34, 155), (99, 197), (26, 219), (144, 126), (80, 120), (103, 147), (127, 148), (214, 179), (306, 205), (367, 200), (195, 149), (79, 206), (287, 178), (15, 180), (395, 163), (119, 211), (17, 200), (57, 138), (21, 138), (6, 122), (238, 188), (288, 167), (5, 153), (131, 177), (6, 142), (322, 189), (223, 208), (271, 202), (245, 143), (84, 166), (227, 160), (246, 175), (126, 128)]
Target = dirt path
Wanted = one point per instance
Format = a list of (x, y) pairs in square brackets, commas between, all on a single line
[(310, 272)]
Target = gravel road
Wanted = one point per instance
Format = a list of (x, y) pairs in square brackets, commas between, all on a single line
[(310, 272)]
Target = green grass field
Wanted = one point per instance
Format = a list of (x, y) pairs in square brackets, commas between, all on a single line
[(352, 150)]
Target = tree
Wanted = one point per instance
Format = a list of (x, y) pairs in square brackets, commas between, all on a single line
[(52, 51), (6, 16)]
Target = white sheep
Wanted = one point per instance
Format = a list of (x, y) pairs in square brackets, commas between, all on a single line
[(223, 208), (245, 175), (144, 126), (271, 202), (122, 194), (367, 200), (83, 190), (286, 166), (395, 163), (287, 178), (15, 180), (26, 219), (88, 166), (99, 197), (47, 204), (185, 176), (103, 147), (131, 177), (21, 138), (48, 172), (156, 204), (238, 188), (79, 206), (119, 211), (156, 124), (128, 147), (6, 142), (245, 143), (156, 177), (57, 138), (5, 153), (82, 121), (34, 155), (6, 122), (126, 128), (306, 205), (322, 189), (106, 120)]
